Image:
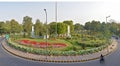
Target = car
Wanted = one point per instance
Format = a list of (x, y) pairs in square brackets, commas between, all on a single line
[(116, 37)]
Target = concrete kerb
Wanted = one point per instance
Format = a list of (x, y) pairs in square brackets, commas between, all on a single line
[(55, 61)]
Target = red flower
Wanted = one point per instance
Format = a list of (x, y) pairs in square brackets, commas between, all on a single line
[(55, 45), (33, 42), (24, 40), (42, 44)]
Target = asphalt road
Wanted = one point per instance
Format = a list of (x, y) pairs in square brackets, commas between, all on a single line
[(7, 59)]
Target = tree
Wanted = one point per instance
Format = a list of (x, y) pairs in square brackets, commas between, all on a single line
[(78, 27), (20, 28), (7, 27), (27, 25), (118, 29), (70, 22), (61, 28), (39, 28), (94, 26), (87, 25), (2, 27), (15, 27), (52, 28), (113, 28)]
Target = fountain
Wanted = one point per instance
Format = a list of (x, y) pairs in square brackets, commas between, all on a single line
[(68, 33), (32, 32)]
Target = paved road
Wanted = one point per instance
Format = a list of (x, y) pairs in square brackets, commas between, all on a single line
[(7, 59)]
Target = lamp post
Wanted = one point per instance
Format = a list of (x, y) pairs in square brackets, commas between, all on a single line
[(106, 18), (46, 31), (106, 22), (56, 17)]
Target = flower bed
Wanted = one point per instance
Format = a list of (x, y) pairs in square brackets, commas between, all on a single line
[(55, 52), (58, 45), (25, 46), (41, 44)]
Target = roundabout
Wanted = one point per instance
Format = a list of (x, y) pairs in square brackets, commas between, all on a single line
[(60, 59), (59, 34), (110, 60)]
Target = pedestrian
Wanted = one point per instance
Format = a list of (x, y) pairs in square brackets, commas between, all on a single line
[(101, 58)]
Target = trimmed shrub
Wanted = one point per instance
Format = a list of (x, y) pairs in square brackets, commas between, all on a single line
[(56, 52)]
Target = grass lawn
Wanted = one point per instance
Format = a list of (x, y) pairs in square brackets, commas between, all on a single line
[(71, 44), (51, 41)]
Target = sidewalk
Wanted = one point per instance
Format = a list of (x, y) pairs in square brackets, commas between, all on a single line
[(80, 58)]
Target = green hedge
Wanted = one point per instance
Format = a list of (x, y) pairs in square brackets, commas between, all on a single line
[(54, 52), (93, 43)]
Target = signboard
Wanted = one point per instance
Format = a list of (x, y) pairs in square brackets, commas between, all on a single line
[(7, 36)]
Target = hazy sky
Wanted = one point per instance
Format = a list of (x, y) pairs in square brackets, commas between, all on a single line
[(79, 12)]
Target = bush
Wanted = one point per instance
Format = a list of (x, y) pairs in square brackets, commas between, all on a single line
[(92, 43), (97, 45)]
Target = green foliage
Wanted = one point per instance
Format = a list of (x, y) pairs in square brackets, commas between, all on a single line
[(2, 27), (39, 28), (15, 26), (61, 28), (53, 28), (70, 23), (10, 27), (78, 27), (27, 25), (89, 38), (95, 46), (91, 43), (55, 52), (94, 25)]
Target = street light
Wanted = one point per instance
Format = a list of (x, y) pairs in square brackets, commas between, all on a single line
[(46, 31), (56, 17), (106, 22), (107, 17)]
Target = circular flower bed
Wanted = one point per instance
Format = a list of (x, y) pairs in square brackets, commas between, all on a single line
[(42, 44)]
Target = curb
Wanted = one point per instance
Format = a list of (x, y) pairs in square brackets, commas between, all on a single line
[(54, 61)]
